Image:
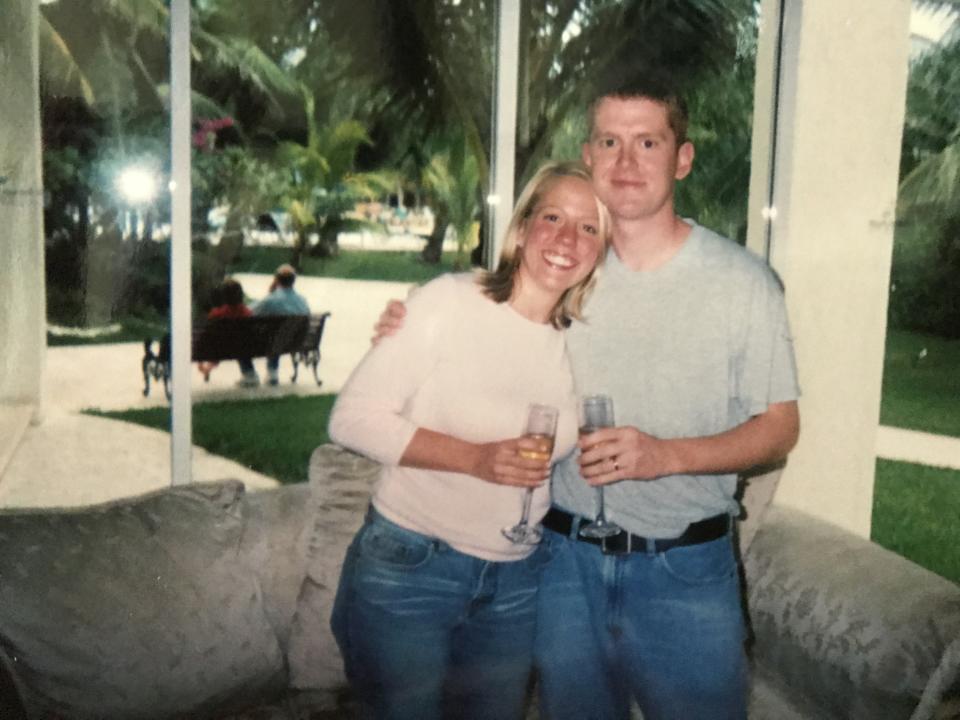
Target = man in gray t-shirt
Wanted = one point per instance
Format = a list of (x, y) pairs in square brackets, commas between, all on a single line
[(688, 333)]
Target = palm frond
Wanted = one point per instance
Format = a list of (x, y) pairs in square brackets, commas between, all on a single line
[(934, 182), (371, 185), (300, 215), (203, 106), (150, 16), (58, 68), (250, 63)]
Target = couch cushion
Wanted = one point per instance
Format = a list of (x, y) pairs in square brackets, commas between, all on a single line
[(853, 630), (276, 533), (138, 608), (340, 484)]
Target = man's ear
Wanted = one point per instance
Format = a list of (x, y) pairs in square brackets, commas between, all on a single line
[(685, 155)]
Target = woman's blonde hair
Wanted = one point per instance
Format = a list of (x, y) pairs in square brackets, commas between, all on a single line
[(499, 284)]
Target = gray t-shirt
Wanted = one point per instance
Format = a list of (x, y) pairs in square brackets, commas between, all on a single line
[(692, 348)]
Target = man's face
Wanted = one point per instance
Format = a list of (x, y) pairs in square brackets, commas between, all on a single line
[(634, 157)]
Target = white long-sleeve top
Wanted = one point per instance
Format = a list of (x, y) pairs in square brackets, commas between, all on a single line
[(468, 367)]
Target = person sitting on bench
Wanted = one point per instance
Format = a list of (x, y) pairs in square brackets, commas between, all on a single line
[(282, 300), (230, 294)]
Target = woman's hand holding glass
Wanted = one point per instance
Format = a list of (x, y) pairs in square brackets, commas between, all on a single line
[(540, 433), (517, 462)]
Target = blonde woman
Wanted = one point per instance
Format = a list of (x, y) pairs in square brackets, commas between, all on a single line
[(436, 609)]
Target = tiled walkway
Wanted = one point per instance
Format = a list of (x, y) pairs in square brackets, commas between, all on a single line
[(918, 447)]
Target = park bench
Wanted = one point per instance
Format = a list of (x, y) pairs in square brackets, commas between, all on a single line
[(238, 338)]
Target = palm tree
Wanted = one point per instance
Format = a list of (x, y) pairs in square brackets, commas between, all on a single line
[(113, 54), (435, 59), (451, 181), (926, 257), (321, 183), (930, 164)]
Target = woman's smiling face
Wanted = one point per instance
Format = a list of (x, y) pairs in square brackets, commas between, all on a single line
[(561, 240)]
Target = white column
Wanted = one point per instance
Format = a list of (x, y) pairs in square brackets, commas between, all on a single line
[(22, 296), (181, 420), (503, 150), (839, 122)]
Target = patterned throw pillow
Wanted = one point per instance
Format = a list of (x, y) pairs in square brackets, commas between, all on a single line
[(138, 608), (340, 484)]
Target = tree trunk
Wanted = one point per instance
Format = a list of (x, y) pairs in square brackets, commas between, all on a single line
[(299, 245), (478, 256), (327, 246), (232, 239), (147, 225), (434, 248)]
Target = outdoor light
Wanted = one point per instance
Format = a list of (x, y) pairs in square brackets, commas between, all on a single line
[(137, 185)]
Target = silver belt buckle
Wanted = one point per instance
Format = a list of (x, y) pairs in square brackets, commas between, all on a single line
[(617, 551)]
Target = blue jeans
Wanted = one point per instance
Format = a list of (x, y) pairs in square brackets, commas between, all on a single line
[(246, 364), (664, 629), (428, 632)]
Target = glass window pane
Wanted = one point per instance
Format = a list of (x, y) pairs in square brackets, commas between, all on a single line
[(349, 140), (105, 224), (917, 493)]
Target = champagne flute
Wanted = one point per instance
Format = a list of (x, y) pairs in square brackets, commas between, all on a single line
[(596, 411), (541, 427)]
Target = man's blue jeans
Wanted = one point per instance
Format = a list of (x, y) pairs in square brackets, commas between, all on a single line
[(428, 632), (665, 629)]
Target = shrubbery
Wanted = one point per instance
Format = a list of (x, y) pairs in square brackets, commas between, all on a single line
[(925, 278)]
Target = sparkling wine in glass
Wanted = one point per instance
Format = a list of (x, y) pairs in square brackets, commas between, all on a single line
[(541, 427), (596, 411)]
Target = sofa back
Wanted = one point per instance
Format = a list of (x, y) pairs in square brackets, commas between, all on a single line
[(146, 607), (847, 629)]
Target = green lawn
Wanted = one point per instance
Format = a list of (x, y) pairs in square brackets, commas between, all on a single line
[(396, 266), (273, 436), (914, 506), (921, 383), (915, 511)]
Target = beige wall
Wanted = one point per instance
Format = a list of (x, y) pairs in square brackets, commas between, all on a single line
[(22, 303), (839, 125)]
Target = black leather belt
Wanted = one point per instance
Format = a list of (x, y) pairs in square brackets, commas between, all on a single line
[(712, 528)]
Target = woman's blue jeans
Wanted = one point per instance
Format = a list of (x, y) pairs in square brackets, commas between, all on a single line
[(665, 630), (428, 632)]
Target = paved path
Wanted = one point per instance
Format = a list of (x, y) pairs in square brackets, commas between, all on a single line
[(108, 376), (73, 459), (917, 447)]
